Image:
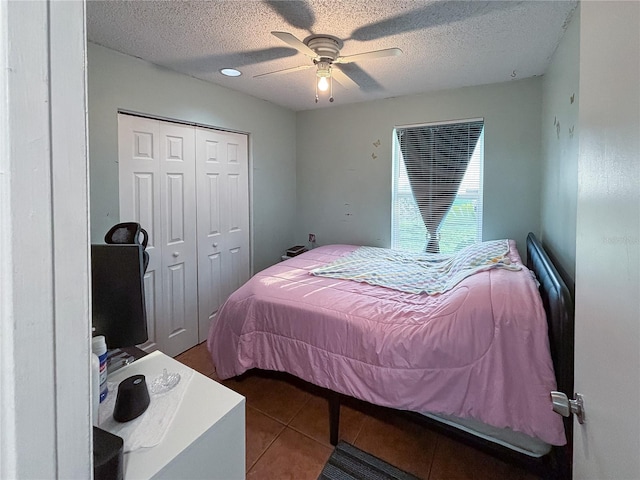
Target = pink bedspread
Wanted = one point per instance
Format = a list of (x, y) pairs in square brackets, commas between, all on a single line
[(479, 351)]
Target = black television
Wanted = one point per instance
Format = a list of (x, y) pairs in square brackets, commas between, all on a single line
[(118, 302)]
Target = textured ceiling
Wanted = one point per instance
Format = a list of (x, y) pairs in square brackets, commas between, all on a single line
[(445, 44)]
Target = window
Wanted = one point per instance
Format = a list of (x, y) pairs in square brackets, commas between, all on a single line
[(437, 186)]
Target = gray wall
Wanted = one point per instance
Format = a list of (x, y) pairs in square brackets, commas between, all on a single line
[(120, 81), (344, 177), (560, 133)]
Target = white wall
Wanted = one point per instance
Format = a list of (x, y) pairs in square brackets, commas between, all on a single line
[(118, 81), (608, 243), (344, 180), (560, 133)]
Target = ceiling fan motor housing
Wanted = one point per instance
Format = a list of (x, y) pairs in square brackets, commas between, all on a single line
[(327, 47)]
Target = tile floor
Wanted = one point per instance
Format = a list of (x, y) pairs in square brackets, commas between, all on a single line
[(288, 432)]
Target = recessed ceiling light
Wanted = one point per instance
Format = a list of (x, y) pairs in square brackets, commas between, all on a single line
[(230, 72)]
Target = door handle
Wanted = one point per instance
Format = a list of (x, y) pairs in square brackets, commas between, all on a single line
[(215, 244), (565, 407), (176, 254)]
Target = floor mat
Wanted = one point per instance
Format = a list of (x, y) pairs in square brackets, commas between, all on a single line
[(350, 463)]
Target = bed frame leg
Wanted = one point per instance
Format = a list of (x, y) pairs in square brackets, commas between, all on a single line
[(334, 417)]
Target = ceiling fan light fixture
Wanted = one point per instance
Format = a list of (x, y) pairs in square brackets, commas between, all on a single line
[(324, 51), (323, 74), (230, 72), (323, 84)]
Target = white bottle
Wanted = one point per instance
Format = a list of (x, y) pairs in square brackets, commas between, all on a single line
[(95, 386), (99, 347)]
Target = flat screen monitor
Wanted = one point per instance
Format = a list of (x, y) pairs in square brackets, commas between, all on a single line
[(117, 286)]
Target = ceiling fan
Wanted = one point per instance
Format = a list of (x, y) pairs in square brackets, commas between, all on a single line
[(324, 51)]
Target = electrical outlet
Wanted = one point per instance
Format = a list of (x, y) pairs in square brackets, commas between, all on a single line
[(312, 237)]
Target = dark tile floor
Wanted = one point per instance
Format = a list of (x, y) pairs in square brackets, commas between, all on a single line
[(288, 432)]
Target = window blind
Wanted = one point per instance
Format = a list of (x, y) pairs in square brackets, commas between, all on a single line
[(437, 186)]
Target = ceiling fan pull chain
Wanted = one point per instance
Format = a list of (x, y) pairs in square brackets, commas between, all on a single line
[(331, 87)]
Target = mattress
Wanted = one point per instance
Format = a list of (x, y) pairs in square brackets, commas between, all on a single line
[(478, 352)]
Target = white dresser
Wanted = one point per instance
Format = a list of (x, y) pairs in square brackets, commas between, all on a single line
[(207, 436)]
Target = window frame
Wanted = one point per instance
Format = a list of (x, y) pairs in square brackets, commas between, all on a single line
[(397, 168)]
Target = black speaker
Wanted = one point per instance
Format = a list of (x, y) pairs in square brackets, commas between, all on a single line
[(132, 400)]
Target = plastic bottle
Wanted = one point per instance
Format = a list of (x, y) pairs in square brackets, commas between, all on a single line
[(99, 347), (95, 386)]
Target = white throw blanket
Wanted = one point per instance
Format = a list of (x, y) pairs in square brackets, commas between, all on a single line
[(418, 272), (148, 429)]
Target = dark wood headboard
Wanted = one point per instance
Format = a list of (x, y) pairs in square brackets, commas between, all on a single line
[(559, 307), (560, 319)]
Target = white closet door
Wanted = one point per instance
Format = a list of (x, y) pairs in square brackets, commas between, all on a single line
[(139, 180), (180, 276), (157, 190), (223, 219)]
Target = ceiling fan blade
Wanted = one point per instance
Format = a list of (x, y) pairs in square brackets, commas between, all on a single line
[(285, 70), (295, 43), (387, 52), (340, 77)]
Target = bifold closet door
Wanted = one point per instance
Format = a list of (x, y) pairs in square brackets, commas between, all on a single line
[(157, 179), (223, 219)]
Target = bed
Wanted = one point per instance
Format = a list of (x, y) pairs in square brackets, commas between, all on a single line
[(432, 356)]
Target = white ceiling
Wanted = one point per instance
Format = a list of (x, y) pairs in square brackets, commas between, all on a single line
[(445, 44)]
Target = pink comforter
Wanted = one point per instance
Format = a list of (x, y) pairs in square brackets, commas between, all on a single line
[(479, 351)]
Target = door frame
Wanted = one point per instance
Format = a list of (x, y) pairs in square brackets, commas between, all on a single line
[(45, 405), (607, 333)]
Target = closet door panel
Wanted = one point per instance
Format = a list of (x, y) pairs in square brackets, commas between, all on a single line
[(152, 295), (177, 300), (236, 266), (210, 192), (223, 213), (143, 198), (180, 277), (139, 181), (234, 202), (236, 221), (211, 261), (145, 202), (213, 299), (175, 209)]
